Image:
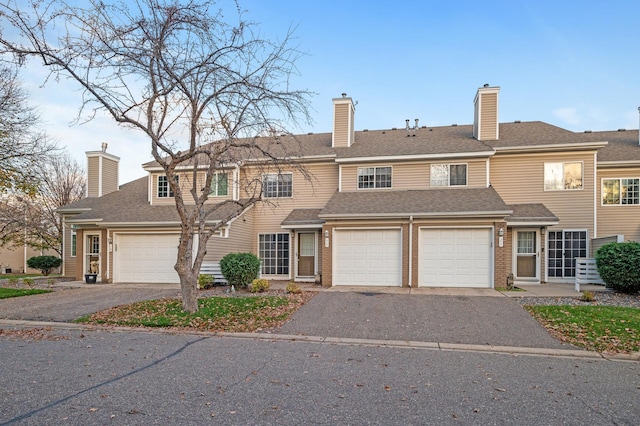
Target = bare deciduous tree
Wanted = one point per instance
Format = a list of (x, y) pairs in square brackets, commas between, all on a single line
[(201, 88), (31, 218), (22, 146)]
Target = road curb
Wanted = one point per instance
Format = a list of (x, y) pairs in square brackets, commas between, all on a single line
[(438, 346)]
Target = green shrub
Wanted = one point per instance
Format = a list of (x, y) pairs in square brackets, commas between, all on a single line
[(588, 296), (618, 266), (28, 281), (44, 264), (259, 285), (240, 269), (206, 281), (293, 288)]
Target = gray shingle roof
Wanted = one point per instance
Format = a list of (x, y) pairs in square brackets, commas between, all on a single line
[(431, 202), (623, 145), (303, 217), (129, 205), (531, 213)]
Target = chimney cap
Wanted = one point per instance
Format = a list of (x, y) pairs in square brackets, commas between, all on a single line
[(486, 85), (104, 146), (344, 95)]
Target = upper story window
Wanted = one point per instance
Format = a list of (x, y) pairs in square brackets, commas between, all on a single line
[(220, 185), (448, 175), (164, 189), (277, 185), (625, 191), (374, 177), (562, 176)]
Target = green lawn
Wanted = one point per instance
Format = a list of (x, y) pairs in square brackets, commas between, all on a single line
[(596, 328), (14, 292), (233, 314)]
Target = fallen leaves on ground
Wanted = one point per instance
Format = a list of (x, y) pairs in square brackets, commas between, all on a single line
[(31, 334)]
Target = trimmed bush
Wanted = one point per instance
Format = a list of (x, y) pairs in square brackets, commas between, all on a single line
[(44, 264), (240, 269), (618, 266), (293, 288), (206, 281), (259, 285)]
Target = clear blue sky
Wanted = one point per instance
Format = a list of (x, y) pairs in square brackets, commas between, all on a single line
[(574, 64)]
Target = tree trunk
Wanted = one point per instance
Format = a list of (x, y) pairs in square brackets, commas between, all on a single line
[(189, 287)]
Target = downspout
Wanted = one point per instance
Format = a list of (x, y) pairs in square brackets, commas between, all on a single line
[(109, 253), (595, 196), (410, 250)]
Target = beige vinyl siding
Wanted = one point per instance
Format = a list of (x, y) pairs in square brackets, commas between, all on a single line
[(109, 175), (489, 116), (69, 263), (519, 179), (341, 125), (186, 180), (312, 194), (414, 175), (616, 220), (93, 176), (240, 239)]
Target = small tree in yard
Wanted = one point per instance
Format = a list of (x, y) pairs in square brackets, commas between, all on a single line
[(239, 269), (45, 264), (206, 93), (619, 266)]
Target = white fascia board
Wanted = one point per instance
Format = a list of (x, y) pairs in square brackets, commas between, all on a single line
[(551, 148), (549, 222), (148, 224), (305, 226), (416, 157), (416, 215), (614, 164), (303, 158), (72, 210)]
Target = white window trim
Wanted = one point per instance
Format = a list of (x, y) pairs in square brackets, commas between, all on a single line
[(277, 174), (288, 274), (169, 190), (374, 177), (449, 167), (620, 203), (544, 187), (214, 184), (73, 246)]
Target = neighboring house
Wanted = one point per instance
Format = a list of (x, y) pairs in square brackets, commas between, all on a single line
[(452, 206), (13, 260)]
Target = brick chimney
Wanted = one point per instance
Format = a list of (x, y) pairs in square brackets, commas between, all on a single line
[(102, 172), (485, 118), (343, 128)]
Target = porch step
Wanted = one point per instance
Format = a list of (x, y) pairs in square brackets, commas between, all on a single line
[(213, 268)]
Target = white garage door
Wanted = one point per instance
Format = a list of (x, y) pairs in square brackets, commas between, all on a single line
[(367, 257), (145, 258), (455, 257)]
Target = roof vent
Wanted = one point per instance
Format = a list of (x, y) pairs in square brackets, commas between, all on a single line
[(423, 127), (517, 121), (454, 125), (310, 133), (407, 125), (416, 126), (365, 130), (622, 130), (587, 131), (394, 128)]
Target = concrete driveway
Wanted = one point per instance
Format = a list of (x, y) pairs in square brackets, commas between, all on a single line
[(67, 304), (461, 318), (498, 321)]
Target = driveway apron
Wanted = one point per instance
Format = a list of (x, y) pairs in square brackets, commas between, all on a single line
[(67, 305), (480, 320)]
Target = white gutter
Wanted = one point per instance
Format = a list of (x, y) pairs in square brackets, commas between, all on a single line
[(404, 215), (554, 147), (609, 164), (416, 157)]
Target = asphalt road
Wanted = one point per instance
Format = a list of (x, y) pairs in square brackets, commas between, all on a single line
[(100, 377)]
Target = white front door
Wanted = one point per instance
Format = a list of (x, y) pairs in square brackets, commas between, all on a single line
[(306, 254), (92, 253), (527, 256)]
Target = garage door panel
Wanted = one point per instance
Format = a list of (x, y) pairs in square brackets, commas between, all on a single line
[(368, 257), (146, 258), (455, 257)]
